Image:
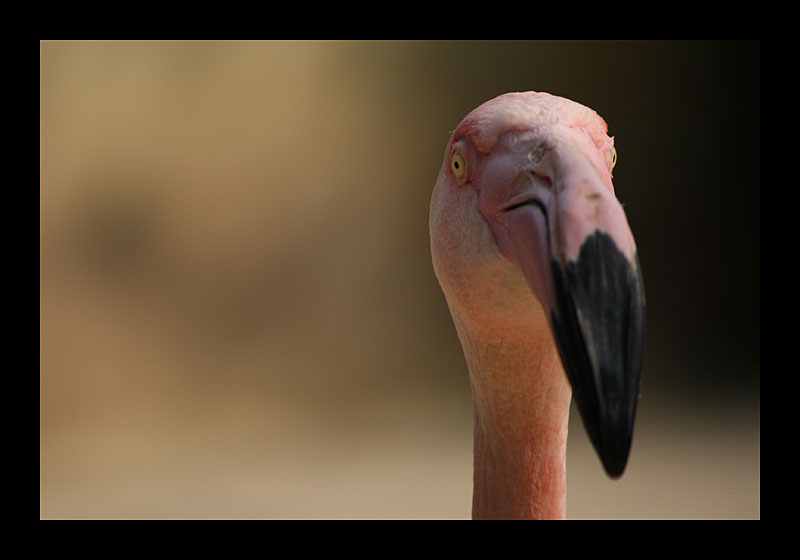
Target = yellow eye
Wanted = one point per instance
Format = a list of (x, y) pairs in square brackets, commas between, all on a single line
[(613, 157), (458, 165)]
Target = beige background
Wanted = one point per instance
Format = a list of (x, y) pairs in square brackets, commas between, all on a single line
[(238, 315)]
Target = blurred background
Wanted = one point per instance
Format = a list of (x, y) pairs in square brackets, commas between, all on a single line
[(238, 312)]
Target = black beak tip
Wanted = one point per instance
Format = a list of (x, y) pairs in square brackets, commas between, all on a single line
[(615, 458), (599, 331), (614, 472)]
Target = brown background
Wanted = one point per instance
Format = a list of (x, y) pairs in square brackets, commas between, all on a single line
[(238, 314)]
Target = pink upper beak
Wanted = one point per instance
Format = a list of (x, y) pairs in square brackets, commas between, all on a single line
[(548, 197)]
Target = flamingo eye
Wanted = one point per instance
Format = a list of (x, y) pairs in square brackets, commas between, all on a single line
[(613, 157), (458, 165)]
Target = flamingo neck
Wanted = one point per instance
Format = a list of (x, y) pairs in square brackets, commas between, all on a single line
[(521, 400)]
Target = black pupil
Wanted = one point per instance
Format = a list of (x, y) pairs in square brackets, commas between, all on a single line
[(455, 164)]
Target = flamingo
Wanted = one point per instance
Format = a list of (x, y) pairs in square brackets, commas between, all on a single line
[(540, 271)]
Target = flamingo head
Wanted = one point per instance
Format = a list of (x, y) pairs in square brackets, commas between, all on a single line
[(527, 233)]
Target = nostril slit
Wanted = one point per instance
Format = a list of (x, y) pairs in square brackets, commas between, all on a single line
[(527, 202), (518, 204)]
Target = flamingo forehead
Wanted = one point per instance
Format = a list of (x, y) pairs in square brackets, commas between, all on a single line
[(523, 111)]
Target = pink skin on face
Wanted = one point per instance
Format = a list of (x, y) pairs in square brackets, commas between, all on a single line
[(543, 192)]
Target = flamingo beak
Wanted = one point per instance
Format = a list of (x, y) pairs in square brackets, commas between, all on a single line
[(556, 215)]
